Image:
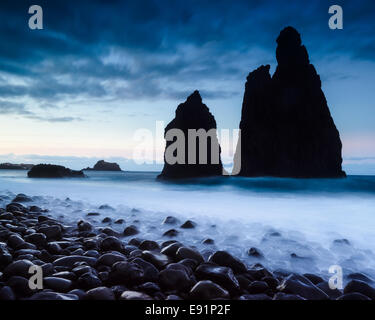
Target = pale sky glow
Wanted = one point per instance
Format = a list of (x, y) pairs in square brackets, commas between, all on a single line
[(80, 88)]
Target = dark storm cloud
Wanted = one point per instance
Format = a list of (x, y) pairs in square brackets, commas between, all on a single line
[(78, 34)]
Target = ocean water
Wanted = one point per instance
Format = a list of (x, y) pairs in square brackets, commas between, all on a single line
[(298, 224)]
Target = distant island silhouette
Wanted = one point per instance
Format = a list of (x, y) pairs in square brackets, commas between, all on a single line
[(56, 171), (102, 165), (53, 171)]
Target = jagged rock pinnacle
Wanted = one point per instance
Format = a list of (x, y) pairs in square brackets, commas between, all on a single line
[(195, 97), (286, 127), (193, 114)]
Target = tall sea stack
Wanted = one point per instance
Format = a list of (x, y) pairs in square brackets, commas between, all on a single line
[(192, 114), (286, 126)]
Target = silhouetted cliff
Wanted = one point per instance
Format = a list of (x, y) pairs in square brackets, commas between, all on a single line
[(193, 114), (286, 126)]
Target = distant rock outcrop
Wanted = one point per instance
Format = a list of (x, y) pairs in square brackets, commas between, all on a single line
[(286, 126), (102, 165), (193, 114), (16, 166), (53, 171)]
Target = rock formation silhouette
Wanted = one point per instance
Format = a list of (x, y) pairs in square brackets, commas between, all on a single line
[(193, 114), (102, 165), (286, 126), (53, 171)]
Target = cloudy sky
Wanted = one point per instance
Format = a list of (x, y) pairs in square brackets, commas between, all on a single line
[(79, 89)]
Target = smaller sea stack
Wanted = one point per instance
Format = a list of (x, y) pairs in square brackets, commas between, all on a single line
[(201, 154)]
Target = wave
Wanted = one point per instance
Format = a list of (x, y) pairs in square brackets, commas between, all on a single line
[(307, 215)]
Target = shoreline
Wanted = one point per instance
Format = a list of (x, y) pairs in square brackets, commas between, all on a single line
[(85, 261)]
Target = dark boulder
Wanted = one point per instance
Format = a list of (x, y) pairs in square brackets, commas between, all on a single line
[(7, 294), (15, 207), (188, 225), (84, 226), (110, 232), (130, 231), (150, 273), (207, 290), (53, 171), (258, 287), (20, 286), (172, 279), (255, 252), (182, 267), (111, 243), (15, 241), (170, 220), (108, 259), (225, 259), (332, 293), (81, 269), (68, 275), (286, 126), (361, 277), (39, 239), (69, 261), (208, 241), (223, 276), (57, 284), (171, 233), (149, 245), (189, 253), (315, 279), (93, 214), (107, 220), (18, 268), (159, 260), (36, 209), (126, 273), (193, 115), (100, 293), (6, 216), (357, 286), (51, 232), (299, 285), (149, 288), (171, 249), (89, 280), (22, 198)]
